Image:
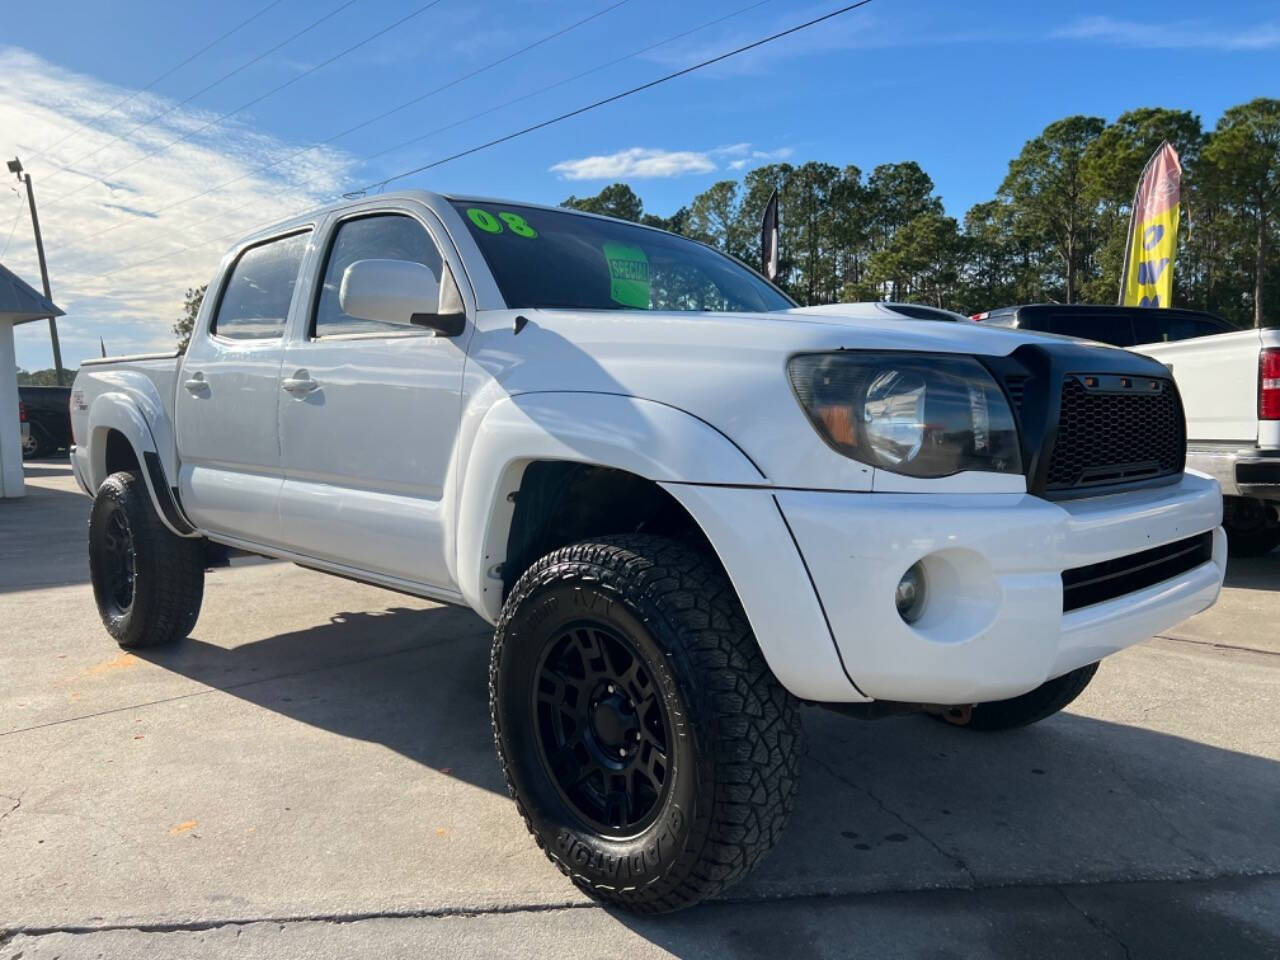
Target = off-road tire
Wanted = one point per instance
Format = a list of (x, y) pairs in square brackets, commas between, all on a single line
[(736, 744), (168, 570), (1044, 701)]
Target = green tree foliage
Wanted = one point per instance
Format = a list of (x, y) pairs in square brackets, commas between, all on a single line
[(1049, 196), (43, 378), (1242, 161), (616, 200), (1056, 229), (183, 326)]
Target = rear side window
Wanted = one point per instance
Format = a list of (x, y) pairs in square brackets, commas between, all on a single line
[(1158, 329), (391, 236), (255, 301), (1112, 329)]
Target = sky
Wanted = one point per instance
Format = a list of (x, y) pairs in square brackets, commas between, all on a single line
[(158, 132)]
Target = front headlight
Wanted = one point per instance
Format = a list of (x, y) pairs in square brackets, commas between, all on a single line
[(924, 415)]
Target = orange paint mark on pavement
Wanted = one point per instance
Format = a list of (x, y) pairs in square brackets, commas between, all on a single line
[(122, 662), (182, 828)]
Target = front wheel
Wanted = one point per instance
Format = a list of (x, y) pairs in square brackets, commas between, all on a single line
[(650, 750), (1032, 707), (147, 581)]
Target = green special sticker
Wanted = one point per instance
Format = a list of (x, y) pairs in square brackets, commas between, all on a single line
[(628, 275)]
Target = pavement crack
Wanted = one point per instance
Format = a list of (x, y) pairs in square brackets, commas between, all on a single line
[(16, 801), (955, 860), (1095, 922), (1219, 646)]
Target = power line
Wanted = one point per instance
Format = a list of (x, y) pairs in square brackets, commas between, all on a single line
[(546, 123), (381, 116), (423, 136), (168, 73), (14, 226), (205, 89), (379, 184)]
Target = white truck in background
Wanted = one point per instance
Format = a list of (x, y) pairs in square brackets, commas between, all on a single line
[(1229, 379), (685, 504)]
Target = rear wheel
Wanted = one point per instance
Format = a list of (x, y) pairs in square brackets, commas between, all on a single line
[(147, 581), (648, 747), (1253, 529), (33, 444), (1044, 701)]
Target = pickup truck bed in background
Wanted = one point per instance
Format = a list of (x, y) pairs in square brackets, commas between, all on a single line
[(1229, 380)]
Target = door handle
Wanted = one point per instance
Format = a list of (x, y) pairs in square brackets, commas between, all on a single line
[(196, 384), (299, 386)]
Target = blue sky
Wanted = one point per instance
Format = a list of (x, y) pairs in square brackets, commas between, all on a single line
[(957, 87)]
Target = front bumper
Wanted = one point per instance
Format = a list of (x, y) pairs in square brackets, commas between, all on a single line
[(1249, 472), (993, 625)]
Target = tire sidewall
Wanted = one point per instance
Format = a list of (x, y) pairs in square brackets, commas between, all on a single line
[(559, 600), (119, 492)]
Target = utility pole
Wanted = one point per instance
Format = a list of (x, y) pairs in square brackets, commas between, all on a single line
[(15, 167)]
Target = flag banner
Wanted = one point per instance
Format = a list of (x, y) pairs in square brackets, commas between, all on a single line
[(1147, 280), (769, 238)]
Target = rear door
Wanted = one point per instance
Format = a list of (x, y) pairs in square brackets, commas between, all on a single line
[(367, 437), (228, 391)]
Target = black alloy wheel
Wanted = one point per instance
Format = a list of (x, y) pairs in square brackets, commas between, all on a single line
[(603, 731), (116, 558)]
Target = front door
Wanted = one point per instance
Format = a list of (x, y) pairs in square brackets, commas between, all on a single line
[(228, 391), (369, 416)]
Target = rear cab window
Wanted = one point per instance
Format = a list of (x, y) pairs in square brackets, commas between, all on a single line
[(255, 299), (1165, 329), (1111, 328)]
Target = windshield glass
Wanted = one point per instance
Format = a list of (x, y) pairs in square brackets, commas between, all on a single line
[(550, 258)]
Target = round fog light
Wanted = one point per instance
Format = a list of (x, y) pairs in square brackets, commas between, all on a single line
[(910, 594)]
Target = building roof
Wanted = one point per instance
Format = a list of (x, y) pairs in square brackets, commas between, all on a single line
[(20, 302)]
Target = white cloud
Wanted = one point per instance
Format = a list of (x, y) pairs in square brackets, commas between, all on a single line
[(641, 162), (1184, 34), (636, 162), (749, 157), (111, 284)]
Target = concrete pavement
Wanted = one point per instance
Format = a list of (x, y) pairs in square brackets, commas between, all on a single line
[(313, 771)]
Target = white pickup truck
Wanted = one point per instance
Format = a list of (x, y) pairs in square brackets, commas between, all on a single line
[(1230, 384), (686, 504)]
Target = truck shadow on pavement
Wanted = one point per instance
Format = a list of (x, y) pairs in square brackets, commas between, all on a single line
[(1254, 573), (899, 804)]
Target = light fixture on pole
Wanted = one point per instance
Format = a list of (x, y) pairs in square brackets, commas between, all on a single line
[(15, 167)]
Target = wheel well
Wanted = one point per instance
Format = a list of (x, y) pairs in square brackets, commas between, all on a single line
[(119, 454), (559, 503)]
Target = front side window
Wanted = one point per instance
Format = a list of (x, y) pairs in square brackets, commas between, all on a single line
[(255, 301), (390, 236), (554, 258)]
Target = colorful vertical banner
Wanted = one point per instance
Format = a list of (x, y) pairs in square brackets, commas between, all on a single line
[(1147, 280)]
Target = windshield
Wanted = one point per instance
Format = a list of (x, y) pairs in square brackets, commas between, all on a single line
[(550, 258)]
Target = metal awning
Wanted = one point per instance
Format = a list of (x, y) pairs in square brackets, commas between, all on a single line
[(22, 303)]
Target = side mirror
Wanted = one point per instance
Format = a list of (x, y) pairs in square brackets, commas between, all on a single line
[(400, 292)]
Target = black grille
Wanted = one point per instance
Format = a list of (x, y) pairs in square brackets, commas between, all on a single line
[(1098, 582), (1113, 436)]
